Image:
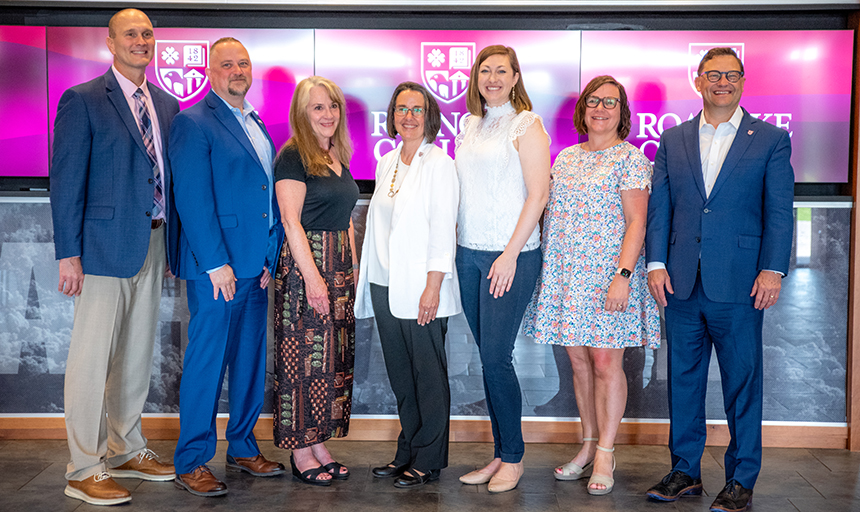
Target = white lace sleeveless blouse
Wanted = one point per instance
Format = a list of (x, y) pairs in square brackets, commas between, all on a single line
[(492, 189)]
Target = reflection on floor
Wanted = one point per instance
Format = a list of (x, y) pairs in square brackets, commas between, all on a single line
[(792, 480)]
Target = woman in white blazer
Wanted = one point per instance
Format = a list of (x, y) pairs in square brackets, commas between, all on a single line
[(408, 281)]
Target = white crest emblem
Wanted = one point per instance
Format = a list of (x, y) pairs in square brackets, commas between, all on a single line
[(698, 50), (445, 69), (180, 67)]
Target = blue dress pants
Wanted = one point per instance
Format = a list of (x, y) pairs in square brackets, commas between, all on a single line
[(734, 330), (495, 324), (220, 335)]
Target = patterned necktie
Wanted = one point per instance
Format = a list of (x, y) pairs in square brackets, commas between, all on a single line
[(146, 133)]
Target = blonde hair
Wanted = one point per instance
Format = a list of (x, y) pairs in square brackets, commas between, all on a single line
[(475, 102), (314, 158)]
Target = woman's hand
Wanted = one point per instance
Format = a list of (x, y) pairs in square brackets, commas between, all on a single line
[(619, 293), (316, 292), (428, 304), (502, 274)]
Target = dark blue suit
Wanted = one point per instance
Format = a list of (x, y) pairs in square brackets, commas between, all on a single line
[(223, 198), (102, 181), (713, 247)]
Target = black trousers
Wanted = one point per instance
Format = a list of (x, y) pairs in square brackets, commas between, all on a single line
[(418, 371)]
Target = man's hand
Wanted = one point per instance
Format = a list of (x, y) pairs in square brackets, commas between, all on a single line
[(71, 276), (766, 289), (659, 283), (265, 278), (223, 281)]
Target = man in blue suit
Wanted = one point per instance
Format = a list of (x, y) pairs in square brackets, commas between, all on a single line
[(115, 231), (222, 156), (718, 244)]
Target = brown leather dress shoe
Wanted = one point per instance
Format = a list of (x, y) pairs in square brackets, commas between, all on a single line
[(144, 465), (257, 466), (99, 489), (201, 482)]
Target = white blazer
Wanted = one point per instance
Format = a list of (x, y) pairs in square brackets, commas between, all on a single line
[(423, 234)]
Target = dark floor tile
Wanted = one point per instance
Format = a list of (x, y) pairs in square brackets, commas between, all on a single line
[(512, 500), (785, 483), (822, 504), (39, 502), (14, 475), (760, 504), (833, 484), (50, 450), (611, 502), (837, 460), (406, 500)]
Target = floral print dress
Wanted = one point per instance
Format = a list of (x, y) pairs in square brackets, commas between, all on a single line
[(583, 231)]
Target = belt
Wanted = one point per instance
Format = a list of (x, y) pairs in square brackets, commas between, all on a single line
[(156, 223)]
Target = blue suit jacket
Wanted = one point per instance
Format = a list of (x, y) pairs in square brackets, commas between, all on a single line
[(222, 193), (102, 180), (743, 227)]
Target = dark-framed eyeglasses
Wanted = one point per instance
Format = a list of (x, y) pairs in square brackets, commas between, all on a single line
[(608, 102), (402, 111), (731, 76)]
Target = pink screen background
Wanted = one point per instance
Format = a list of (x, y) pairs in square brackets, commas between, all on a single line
[(799, 80)]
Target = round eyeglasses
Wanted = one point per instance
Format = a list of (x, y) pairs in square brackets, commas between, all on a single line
[(608, 103), (402, 111), (731, 76)]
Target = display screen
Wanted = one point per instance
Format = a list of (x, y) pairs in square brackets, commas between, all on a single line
[(23, 102), (369, 65), (797, 80)]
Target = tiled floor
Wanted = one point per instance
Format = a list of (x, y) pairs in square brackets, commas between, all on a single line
[(792, 480)]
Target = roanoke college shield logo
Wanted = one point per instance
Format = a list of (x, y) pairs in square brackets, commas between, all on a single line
[(698, 50), (445, 69), (180, 67)]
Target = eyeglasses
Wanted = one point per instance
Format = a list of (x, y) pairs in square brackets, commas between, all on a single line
[(402, 111), (608, 102), (731, 76)]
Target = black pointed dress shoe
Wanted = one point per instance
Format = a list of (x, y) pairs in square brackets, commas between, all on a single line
[(413, 479), (733, 498), (392, 469), (674, 485)]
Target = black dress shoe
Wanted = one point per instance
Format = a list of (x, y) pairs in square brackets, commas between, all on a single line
[(407, 481), (733, 498), (390, 470), (674, 485)]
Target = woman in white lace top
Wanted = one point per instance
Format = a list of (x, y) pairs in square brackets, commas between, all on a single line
[(503, 164)]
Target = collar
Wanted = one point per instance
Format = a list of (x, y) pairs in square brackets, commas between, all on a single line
[(247, 108), (127, 86), (735, 120)]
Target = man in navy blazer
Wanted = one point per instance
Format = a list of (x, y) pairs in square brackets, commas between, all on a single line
[(115, 231), (718, 244), (222, 158)]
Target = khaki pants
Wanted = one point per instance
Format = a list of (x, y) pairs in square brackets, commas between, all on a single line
[(109, 365)]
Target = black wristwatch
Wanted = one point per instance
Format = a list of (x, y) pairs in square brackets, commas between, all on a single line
[(623, 272)]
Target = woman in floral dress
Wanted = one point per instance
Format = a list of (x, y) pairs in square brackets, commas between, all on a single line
[(593, 295)]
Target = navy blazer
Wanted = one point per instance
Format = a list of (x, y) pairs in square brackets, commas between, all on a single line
[(102, 179), (221, 193), (743, 227)]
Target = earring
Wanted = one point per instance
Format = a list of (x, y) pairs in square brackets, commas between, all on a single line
[(513, 95)]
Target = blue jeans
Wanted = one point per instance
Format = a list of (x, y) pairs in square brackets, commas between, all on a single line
[(495, 323)]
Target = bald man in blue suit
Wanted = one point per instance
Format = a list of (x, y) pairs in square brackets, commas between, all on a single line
[(115, 231), (718, 244)]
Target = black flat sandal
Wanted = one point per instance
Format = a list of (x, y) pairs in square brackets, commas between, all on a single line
[(336, 474), (407, 481), (310, 476)]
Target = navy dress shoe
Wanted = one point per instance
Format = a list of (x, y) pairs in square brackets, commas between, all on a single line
[(733, 498), (674, 485)]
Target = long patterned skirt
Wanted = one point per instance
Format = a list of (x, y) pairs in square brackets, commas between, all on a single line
[(314, 353)]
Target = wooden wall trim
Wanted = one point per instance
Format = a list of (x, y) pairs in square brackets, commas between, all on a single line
[(478, 431), (852, 385)]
